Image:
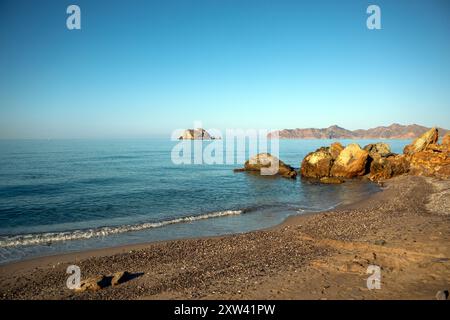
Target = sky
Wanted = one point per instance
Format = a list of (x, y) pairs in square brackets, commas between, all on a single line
[(144, 68)]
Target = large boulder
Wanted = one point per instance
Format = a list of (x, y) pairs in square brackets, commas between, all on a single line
[(379, 149), (266, 160), (387, 167), (427, 158), (430, 163), (422, 142), (317, 164), (351, 162)]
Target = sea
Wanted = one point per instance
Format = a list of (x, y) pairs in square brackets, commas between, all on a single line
[(60, 196)]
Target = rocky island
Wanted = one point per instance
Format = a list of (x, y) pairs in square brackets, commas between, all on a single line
[(196, 134)]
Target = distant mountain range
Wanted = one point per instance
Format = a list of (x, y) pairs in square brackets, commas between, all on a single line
[(394, 131)]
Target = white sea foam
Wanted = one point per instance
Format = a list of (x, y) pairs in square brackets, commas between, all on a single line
[(313, 209), (50, 237)]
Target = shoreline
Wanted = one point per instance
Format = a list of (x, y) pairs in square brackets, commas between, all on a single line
[(97, 252), (310, 250), (79, 254)]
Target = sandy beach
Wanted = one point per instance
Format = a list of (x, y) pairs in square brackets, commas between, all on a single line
[(405, 230)]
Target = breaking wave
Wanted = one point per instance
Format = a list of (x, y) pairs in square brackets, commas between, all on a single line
[(50, 237)]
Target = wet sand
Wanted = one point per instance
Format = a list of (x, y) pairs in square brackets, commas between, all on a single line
[(405, 230)]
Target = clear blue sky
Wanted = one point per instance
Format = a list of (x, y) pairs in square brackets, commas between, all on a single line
[(142, 68)]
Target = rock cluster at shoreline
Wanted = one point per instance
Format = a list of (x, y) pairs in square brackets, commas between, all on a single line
[(333, 164), (423, 157)]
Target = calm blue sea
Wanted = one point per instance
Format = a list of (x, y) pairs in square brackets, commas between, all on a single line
[(69, 195)]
